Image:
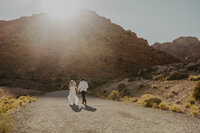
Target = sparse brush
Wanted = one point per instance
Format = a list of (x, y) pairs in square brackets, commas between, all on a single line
[(187, 105), (175, 108), (158, 77), (196, 90), (191, 100), (6, 123), (155, 105), (194, 110), (133, 99), (163, 106), (194, 77), (8, 104), (126, 98), (148, 100), (114, 95)]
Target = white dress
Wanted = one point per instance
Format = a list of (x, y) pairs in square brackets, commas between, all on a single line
[(73, 99)]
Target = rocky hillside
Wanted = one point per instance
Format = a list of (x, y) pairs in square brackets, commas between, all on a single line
[(185, 48), (40, 49)]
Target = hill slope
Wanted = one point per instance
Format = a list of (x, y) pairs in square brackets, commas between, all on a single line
[(43, 50), (185, 48)]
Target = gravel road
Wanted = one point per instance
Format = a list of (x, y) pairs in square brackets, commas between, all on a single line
[(52, 114)]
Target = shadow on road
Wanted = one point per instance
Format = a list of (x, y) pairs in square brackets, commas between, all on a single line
[(89, 108), (76, 108)]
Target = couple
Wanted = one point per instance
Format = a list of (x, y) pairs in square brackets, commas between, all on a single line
[(82, 88)]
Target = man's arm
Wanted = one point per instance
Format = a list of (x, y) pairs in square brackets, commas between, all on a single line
[(79, 86)]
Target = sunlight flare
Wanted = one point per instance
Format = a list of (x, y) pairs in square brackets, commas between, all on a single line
[(60, 9)]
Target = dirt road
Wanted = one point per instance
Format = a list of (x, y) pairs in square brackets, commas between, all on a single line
[(52, 114)]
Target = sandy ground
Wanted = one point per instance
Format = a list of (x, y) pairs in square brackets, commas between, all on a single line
[(52, 114)]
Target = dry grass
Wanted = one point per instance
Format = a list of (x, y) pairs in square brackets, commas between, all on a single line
[(194, 77), (187, 105), (196, 90), (163, 106), (8, 104), (114, 95), (126, 98), (6, 123), (148, 100), (175, 108), (194, 110), (155, 105), (133, 99)]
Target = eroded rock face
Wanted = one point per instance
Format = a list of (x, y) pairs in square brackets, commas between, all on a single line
[(41, 49), (185, 48)]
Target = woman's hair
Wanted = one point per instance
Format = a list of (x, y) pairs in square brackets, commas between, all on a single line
[(72, 83)]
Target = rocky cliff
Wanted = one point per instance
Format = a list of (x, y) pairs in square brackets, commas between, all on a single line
[(185, 48), (44, 50)]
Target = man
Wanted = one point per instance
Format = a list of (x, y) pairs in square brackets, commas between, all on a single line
[(82, 87)]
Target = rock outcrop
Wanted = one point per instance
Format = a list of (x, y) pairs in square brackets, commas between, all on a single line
[(185, 48)]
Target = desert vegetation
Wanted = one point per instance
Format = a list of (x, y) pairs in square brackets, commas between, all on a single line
[(194, 77), (148, 100), (196, 90), (7, 105), (176, 108)]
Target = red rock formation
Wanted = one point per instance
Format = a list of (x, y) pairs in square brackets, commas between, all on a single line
[(45, 50), (185, 48)]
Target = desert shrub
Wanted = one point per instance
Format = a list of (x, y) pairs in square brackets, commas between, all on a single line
[(158, 77), (175, 108), (114, 95), (126, 98), (6, 123), (148, 100), (163, 106), (191, 100), (155, 105), (196, 90), (187, 105), (133, 99), (194, 110), (9, 103), (194, 77), (176, 76)]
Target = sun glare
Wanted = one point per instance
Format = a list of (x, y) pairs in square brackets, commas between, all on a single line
[(60, 9)]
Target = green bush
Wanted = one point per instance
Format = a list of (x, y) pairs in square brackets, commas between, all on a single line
[(196, 90), (148, 100), (114, 95)]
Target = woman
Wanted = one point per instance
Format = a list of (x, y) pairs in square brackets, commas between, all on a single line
[(73, 99)]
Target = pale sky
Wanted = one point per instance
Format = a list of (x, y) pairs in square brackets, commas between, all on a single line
[(154, 20)]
